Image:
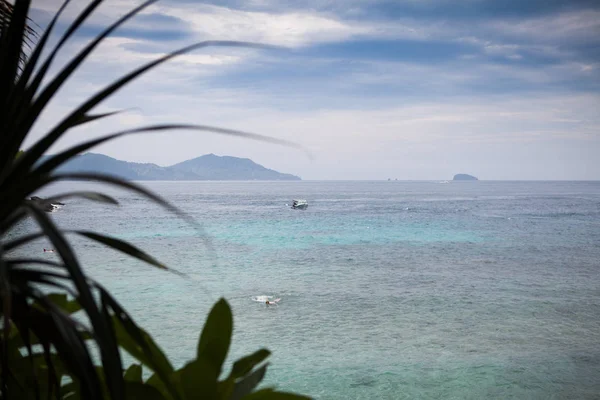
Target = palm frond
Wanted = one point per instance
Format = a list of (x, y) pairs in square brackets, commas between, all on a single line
[(29, 39)]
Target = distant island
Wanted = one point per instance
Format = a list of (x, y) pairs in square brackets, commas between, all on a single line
[(209, 167), (464, 177)]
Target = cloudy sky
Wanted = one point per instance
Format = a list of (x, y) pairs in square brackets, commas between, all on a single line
[(406, 89)]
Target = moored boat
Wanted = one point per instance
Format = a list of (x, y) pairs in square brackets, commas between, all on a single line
[(300, 204)]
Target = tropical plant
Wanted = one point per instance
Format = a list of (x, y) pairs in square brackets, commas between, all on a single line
[(45, 350), (30, 36)]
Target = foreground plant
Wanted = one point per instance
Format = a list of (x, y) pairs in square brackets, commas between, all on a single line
[(38, 374), (44, 350)]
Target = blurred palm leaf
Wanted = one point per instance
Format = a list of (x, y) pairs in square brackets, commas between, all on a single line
[(41, 342), (31, 35)]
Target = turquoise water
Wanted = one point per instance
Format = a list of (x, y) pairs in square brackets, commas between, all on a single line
[(389, 290)]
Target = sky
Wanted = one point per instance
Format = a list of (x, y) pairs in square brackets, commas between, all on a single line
[(404, 89)]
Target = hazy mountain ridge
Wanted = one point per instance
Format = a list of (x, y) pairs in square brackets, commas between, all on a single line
[(206, 167)]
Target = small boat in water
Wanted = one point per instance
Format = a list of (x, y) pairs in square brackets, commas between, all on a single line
[(300, 204), (45, 204)]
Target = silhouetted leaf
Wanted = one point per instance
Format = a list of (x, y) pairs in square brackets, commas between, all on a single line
[(141, 391), (11, 220), (70, 391), (33, 261), (156, 382), (38, 149), (27, 161), (13, 244), (20, 99), (55, 327), (112, 180), (121, 246), (11, 47), (245, 364), (246, 385), (216, 335), (135, 349), (32, 62), (270, 394), (25, 276), (140, 345), (198, 379), (88, 195), (6, 291), (94, 117), (55, 161), (134, 373), (61, 300), (33, 59), (111, 358)]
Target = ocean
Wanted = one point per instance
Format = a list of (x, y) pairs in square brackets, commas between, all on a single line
[(389, 289)]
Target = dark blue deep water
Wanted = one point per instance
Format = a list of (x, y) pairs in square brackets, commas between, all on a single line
[(389, 290)]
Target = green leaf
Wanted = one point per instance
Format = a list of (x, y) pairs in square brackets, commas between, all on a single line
[(25, 277), (109, 352), (270, 394), (155, 360), (247, 384), (55, 326), (13, 345), (156, 382), (141, 391), (134, 373), (61, 300), (36, 372), (141, 346), (245, 364), (239, 370), (70, 391), (216, 336), (198, 380)]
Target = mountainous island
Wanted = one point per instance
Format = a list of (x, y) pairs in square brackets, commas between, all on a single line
[(464, 177), (209, 167)]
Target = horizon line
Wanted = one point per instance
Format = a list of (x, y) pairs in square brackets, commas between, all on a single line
[(332, 180)]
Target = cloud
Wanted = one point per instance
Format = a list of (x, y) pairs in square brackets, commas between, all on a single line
[(547, 37), (399, 135), (209, 22), (416, 96), (122, 50), (288, 29), (580, 25)]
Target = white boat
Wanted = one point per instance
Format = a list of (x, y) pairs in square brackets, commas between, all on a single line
[(300, 204), (45, 205)]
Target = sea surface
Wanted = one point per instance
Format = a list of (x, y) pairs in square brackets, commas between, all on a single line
[(389, 290)]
